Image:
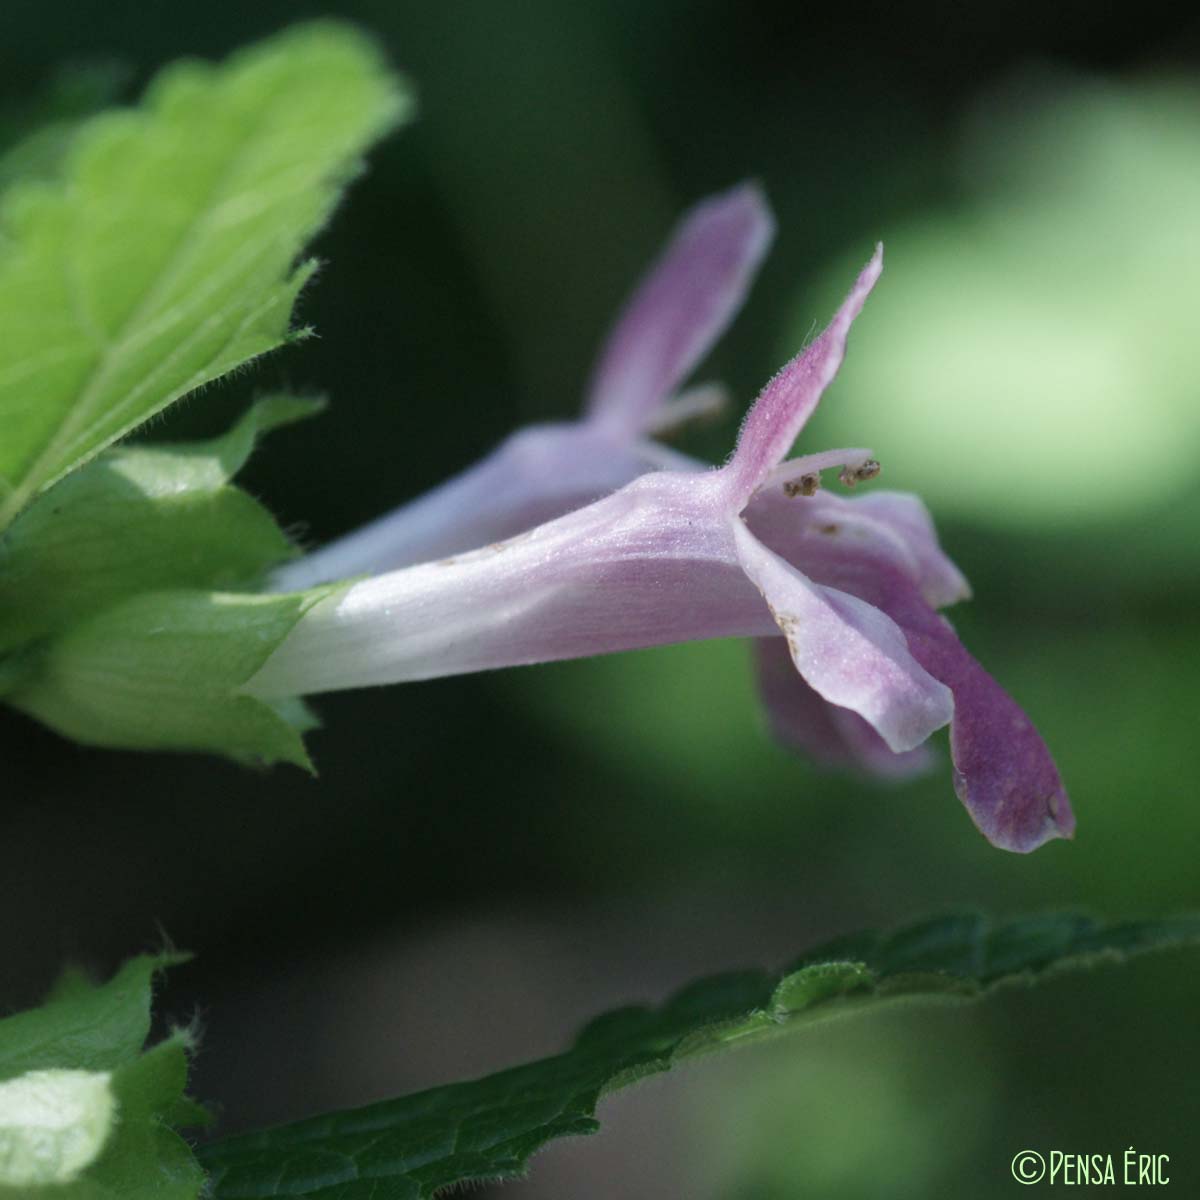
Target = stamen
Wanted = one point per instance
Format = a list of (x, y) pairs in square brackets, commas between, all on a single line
[(851, 475), (701, 403), (806, 485), (802, 476)]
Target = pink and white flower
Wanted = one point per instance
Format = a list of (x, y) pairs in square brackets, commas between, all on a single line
[(856, 663)]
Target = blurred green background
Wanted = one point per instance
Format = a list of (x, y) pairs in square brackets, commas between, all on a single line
[(485, 862)]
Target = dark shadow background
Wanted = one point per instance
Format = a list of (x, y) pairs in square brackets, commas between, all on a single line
[(484, 862)]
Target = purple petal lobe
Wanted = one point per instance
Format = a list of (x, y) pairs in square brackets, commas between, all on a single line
[(1004, 774), (681, 307), (830, 735), (787, 402), (852, 654)]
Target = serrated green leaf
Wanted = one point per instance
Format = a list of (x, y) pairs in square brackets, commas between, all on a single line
[(164, 256), (138, 519), (91, 1037), (82, 1026), (147, 1159), (230, 452), (162, 671), (412, 1147)]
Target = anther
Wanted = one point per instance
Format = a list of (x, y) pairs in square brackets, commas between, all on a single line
[(806, 485), (860, 472)]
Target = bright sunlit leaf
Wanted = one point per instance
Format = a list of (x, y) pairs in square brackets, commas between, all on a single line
[(1030, 359), (163, 253)]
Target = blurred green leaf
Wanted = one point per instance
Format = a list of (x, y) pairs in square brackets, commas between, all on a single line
[(79, 1057), (164, 256), (1029, 360), (137, 519), (487, 1129), (36, 136)]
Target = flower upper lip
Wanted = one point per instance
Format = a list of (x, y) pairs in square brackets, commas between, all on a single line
[(681, 307)]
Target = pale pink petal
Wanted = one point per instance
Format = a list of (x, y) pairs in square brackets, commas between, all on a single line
[(681, 307), (849, 652), (533, 476), (651, 564), (831, 736), (884, 527), (790, 398), (941, 582)]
